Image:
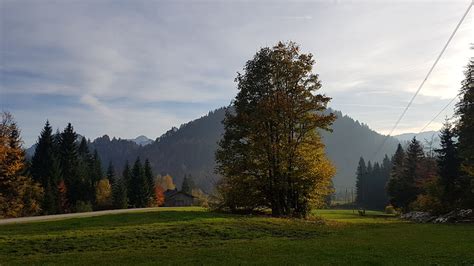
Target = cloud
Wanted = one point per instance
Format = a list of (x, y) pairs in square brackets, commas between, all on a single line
[(134, 62)]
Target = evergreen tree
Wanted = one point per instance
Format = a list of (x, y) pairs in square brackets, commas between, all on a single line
[(386, 169), (45, 169), (186, 186), (111, 173), (95, 175), (69, 162), (150, 182), (126, 173), (407, 186), (139, 190), (96, 168), (43, 156), (414, 159), (51, 194), (85, 185), (465, 131), (370, 184), (449, 166), (119, 194), (366, 185), (361, 175), (83, 150), (127, 180), (394, 185)]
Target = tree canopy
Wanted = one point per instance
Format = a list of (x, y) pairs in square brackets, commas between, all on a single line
[(271, 154)]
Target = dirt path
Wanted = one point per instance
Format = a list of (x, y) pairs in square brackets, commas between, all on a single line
[(69, 215)]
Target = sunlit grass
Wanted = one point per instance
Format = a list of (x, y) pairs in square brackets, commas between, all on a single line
[(197, 236)]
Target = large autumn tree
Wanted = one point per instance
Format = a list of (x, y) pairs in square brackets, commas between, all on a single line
[(271, 154)]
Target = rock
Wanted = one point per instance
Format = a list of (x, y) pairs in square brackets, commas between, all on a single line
[(456, 216)]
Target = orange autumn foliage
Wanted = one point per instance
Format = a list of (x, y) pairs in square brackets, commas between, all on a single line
[(159, 195)]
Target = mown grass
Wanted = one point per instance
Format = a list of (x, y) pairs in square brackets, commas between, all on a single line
[(195, 236)]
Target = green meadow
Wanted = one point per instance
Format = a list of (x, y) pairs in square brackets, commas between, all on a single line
[(196, 236)]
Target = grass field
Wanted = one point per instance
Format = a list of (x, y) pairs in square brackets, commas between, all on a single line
[(195, 236)]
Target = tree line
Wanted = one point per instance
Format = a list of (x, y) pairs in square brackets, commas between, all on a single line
[(64, 176), (436, 180), (370, 183)]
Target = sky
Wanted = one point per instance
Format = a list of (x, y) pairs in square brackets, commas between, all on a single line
[(129, 68)]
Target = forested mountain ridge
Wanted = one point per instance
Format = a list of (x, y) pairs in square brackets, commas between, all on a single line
[(190, 149)]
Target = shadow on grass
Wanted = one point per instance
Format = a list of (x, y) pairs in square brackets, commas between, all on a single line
[(111, 221)]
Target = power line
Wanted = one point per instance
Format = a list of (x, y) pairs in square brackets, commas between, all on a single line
[(424, 80), (440, 112)]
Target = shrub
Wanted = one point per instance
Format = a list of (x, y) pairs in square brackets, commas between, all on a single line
[(82, 206), (427, 203), (390, 210)]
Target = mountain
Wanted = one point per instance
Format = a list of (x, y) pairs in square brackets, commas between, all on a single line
[(142, 140), (425, 137), (190, 149), (350, 140)]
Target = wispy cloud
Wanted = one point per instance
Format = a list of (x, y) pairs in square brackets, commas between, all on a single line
[(115, 63)]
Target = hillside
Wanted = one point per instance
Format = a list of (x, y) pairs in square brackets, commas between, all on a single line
[(190, 149)]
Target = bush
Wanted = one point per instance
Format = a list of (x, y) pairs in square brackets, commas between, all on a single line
[(82, 206), (427, 203), (390, 210)]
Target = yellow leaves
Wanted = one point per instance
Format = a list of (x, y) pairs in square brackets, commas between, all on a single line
[(20, 196), (103, 193), (166, 182)]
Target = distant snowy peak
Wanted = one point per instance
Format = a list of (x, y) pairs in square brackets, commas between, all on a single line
[(142, 140)]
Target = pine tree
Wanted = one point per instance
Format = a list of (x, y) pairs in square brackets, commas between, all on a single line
[(386, 169), (83, 150), (361, 175), (95, 175), (465, 131), (127, 181), (405, 189), (45, 169), (96, 168), (139, 190), (366, 185), (150, 182), (69, 161), (394, 185), (119, 194), (449, 165), (111, 173), (43, 156), (186, 186), (85, 187), (414, 159)]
